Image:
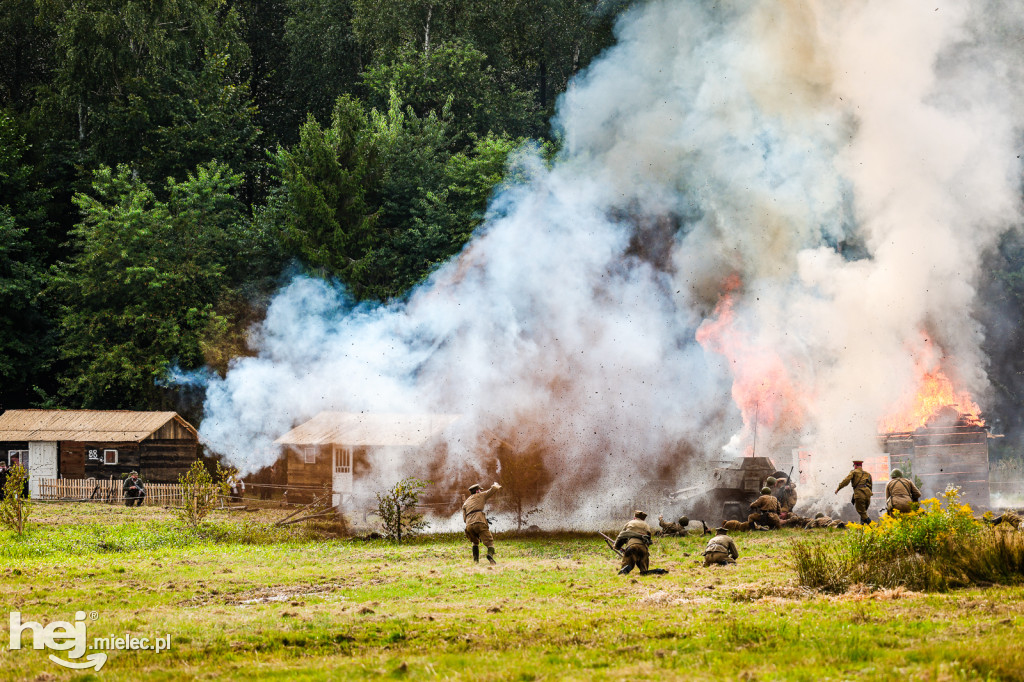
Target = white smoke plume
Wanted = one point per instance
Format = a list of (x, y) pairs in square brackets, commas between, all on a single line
[(807, 186)]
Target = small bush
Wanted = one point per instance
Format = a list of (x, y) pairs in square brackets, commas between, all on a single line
[(395, 508), (934, 548), (198, 495), (15, 507)]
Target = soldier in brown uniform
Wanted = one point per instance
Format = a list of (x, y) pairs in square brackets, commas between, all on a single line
[(477, 529), (765, 510), (861, 482), (795, 521), (787, 497), (677, 529), (733, 524), (633, 540), (822, 521), (900, 493), (1009, 516), (721, 549)]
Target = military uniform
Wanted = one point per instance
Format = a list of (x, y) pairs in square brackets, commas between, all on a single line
[(633, 540), (823, 521), (787, 497), (765, 511), (670, 529), (721, 550), (795, 521), (861, 482), (1010, 517), (901, 494), (473, 514)]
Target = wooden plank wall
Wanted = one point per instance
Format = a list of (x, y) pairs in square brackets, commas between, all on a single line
[(953, 457), (104, 490)]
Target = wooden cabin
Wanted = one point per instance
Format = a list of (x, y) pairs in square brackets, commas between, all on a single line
[(98, 444), (331, 449)]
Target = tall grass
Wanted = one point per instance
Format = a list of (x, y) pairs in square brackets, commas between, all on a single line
[(935, 548)]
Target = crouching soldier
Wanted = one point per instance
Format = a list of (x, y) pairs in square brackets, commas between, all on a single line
[(721, 549), (473, 514), (677, 529), (765, 510), (633, 540), (134, 491), (900, 493)]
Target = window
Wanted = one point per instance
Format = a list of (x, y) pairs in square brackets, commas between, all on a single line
[(342, 460), (110, 456), (309, 454), (20, 455)]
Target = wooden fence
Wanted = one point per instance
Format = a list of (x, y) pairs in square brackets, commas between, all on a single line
[(105, 490)]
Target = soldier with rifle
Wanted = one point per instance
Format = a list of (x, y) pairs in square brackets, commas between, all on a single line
[(633, 540)]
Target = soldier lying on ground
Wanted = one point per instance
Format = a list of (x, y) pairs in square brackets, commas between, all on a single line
[(795, 521), (721, 549), (743, 526), (765, 510), (677, 529), (822, 521), (1009, 516)]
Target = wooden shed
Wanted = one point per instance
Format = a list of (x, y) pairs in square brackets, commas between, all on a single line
[(331, 449), (98, 444), (943, 454)]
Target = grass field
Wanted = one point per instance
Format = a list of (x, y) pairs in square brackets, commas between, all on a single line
[(242, 602)]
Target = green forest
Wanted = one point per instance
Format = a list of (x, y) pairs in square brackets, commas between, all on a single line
[(165, 166)]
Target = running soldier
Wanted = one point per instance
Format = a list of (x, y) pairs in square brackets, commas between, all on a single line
[(861, 483), (721, 549), (473, 514)]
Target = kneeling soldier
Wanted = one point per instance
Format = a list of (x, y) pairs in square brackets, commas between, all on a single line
[(721, 549), (633, 540), (901, 493), (765, 510), (473, 514)]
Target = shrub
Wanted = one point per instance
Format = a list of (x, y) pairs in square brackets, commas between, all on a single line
[(395, 509), (934, 548), (15, 507), (198, 495)]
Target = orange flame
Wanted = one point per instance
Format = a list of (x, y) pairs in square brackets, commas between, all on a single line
[(762, 387), (934, 395)]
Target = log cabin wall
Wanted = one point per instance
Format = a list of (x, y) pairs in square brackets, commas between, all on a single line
[(305, 479)]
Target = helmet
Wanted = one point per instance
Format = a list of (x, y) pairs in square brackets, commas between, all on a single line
[(684, 521), (766, 490), (896, 473)]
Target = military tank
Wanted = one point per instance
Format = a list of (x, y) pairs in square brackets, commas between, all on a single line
[(733, 486)]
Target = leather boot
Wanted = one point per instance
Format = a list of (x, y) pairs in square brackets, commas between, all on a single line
[(490, 555), (476, 553), (625, 569)]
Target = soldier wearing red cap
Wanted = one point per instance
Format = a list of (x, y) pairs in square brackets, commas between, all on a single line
[(861, 482)]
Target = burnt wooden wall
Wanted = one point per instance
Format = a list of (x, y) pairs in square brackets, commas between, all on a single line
[(943, 456), (954, 456)]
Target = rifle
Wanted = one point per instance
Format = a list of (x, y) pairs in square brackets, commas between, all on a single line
[(611, 545)]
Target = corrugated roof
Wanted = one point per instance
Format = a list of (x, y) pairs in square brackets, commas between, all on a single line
[(368, 430), (111, 426)]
